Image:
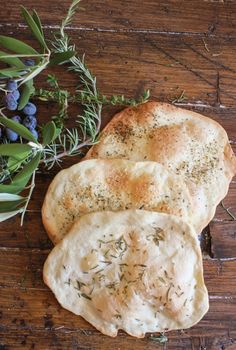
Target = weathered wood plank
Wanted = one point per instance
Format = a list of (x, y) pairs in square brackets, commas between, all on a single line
[(39, 311), (30, 235), (167, 67), (22, 268), (189, 17), (229, 203), (64, 339), (223, 239), (222, 228)]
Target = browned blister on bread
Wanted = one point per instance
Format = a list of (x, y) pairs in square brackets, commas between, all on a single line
[(189, 144), (106, 184)]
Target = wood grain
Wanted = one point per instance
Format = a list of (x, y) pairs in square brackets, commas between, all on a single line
[(22, 269), (186, 17), (168, 47), (174, 64)]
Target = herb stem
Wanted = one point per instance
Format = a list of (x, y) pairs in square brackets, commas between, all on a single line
[(32, 186), (228, 211), (66, 153)]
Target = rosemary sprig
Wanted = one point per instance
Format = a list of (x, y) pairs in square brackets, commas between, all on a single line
[(81, 97), (19, 162), (68, 144)]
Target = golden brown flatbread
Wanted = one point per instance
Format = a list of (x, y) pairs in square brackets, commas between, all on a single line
[(97, 185), (185, 142)]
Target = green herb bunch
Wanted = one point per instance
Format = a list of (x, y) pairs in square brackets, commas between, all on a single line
[(20, 161)]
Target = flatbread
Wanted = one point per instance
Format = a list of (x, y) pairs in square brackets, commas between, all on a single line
[(97, 185), (185, 142), (134, 270)]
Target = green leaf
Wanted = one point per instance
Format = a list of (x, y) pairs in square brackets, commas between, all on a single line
[(27, 171), (18, 128), (12, 188), (14, 163), (34, 72), (27, 91), (21, 179), (146, 94), (17, 153), (7, 206), (37, 21), (12, 61), (61, 57), (58, 131), (14, 149), (12, 72), (16, 46), (9, 197), (8, 215), (33, 26), (49, 133)]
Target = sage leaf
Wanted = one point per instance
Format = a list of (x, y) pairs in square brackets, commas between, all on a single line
[(14, 149), (16, 45), (14, 163), (9, 197), (8, 215), (61, 57), (21, 179), (26, 92), (34, 72), (33, 26), (12, 188), (58, 131), (18, 128), (12, 72), (10, 205), (37, 21), (27, 171), (12, 61), (49, 133)]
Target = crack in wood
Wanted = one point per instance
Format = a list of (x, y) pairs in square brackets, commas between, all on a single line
[(123, 30), (218, 103), (205, 242), (222, 297), (187, 67), (184, 65), (218, 64), (221, 220), (24, 250), (199, 104)]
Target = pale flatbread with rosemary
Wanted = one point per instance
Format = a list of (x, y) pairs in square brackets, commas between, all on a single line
[(97, 185), (185, 142), (134, 270)]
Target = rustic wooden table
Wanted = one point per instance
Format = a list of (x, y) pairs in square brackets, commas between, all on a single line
[(168, 46)]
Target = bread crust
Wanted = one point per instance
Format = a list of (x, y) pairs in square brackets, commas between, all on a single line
[(186, 142), (151, 281), (108, 184)]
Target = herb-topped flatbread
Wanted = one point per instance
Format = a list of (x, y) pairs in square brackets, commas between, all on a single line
[(134, 270), (97, 185), (185, 142)]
